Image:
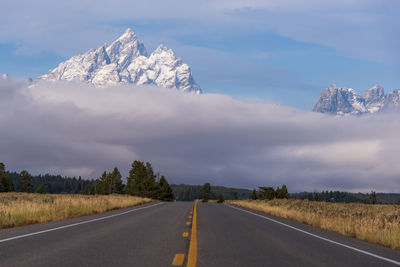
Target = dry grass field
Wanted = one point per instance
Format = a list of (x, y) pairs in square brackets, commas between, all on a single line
[(378, 224), (23, 208)]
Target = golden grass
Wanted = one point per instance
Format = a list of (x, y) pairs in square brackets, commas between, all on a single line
[(378, 224), (23, 208)]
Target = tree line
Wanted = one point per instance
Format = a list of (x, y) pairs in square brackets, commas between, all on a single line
[(268, 193), (184, 192), (24, 181), (347, 197), (142, 181)]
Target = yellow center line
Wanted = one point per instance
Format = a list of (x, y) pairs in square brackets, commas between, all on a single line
[(192, 257), (187, 223), (178, 259), (185, 234), (190, 217)]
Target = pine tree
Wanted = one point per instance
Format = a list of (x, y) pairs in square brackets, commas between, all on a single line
[(116, 181), (206, 192), (141, 180), (6, 183), (284, 192), (87, 190), (40, 189), (373, 198), (164, 190), (149, 186), (267, 193), (253, 195), (25, 182), (102, 184)]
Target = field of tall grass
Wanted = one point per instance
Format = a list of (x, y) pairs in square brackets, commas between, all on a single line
[(378, 224), (18, 209)]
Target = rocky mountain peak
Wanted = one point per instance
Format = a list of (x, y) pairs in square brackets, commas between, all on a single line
[(338, 100), (126, 61), (346, 101)]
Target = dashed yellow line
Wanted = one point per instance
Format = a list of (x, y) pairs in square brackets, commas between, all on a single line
[(190, 217), (178, 259), (192, 257), (187, 223), (185, 234)]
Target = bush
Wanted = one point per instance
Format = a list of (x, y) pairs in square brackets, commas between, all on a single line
[(220, 198)]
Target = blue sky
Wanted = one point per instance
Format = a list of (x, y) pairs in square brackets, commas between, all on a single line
[(278, 51)]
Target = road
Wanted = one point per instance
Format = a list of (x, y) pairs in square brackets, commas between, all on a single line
[(162, 234)]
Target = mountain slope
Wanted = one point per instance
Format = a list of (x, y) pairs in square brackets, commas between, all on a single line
[(337, 100), (126, 61), (346, 101)]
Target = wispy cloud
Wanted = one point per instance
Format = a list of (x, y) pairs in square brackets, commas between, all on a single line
[(365, 29), (75, 129)]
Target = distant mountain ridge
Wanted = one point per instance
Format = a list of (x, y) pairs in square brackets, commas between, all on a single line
[(126, 61), (346, 101)]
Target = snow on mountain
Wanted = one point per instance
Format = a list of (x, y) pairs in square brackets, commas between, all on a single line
[(126, 61), (374, 98), (340, 101), (392, 99), (346, 101)]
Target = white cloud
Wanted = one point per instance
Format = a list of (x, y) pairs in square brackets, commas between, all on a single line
[(75, 129)]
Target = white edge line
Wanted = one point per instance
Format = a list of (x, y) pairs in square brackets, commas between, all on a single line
[(75, 224), (320, 237)]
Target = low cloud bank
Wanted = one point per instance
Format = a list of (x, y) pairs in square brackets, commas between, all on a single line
[(75, 129)]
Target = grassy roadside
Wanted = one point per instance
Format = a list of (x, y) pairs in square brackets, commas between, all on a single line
[(378, 224), (18, 209)]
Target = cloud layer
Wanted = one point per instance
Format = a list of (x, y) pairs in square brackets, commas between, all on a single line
[(75, 129)]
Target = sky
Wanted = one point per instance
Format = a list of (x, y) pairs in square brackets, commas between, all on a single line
[(283, 51), (261, 65)]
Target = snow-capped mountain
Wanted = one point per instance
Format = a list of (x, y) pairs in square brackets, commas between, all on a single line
[(337, 100), (346, 101), (126, 61)]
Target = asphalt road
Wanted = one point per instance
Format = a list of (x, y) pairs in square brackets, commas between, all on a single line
[(230, 236), (145, 237), (152, 235)]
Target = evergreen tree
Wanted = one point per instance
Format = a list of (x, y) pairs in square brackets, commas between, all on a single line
[(39, 190), (253, 195), (316, 197), (206, 192), (87, 190), (136, 176), (220, 198), (116, 181), (149, 186), (282, 192), (102, 184), (25, 182), (372, 197), (267, 193), (141, 180), (164, 190), (6, 183)]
